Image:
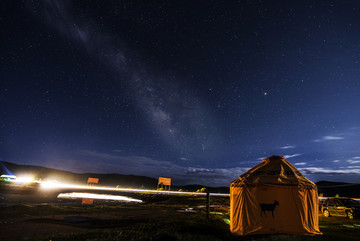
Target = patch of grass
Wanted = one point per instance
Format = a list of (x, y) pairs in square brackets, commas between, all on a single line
[(186, 226), (22, 210), (189, 227)]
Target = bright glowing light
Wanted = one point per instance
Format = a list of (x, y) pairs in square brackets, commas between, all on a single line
[(51, 184), (24, 180), (75, 195), (8, 176)]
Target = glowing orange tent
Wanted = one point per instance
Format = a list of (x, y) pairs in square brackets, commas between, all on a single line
[(273, 197)]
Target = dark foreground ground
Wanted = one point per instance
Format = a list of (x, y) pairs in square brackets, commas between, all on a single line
[(175, 218)]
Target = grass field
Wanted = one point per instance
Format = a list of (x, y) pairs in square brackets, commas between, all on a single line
[(171, 219)]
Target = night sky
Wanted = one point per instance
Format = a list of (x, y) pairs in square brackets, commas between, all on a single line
[(198, 91)]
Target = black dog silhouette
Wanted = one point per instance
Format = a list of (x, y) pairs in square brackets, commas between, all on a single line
[(268, 207)]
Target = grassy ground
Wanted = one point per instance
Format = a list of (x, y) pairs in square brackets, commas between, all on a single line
[(171, 219)]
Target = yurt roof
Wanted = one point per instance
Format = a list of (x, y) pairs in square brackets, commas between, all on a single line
[(274, 170)]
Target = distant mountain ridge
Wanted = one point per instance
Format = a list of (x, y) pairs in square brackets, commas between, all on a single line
[(331, 189), (325, 188), (109, 180)]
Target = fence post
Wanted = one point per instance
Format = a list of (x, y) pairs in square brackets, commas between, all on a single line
[(207, 205)]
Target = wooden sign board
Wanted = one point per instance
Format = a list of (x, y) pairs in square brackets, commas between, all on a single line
[(164, 181), (93, 180)]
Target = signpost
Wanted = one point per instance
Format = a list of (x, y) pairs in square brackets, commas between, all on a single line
[(164, 182), (207, 206), (93, 180), (90, 181)]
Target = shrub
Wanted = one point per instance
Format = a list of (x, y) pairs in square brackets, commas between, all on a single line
[(202, 190)]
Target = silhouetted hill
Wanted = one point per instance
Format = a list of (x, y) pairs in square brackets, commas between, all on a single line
[(327, 188), (330, 189), (109, 180)]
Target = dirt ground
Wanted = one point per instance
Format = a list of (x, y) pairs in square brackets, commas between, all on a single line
[(32, 227)]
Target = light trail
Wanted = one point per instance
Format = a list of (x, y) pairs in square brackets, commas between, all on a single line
[(48, 185), (76, 195), (324, 198)]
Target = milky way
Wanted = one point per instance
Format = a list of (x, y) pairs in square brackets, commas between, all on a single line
[(177, 115)]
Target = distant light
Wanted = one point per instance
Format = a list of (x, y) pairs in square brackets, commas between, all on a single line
[(24, 179), (8, 176), (50, 184)]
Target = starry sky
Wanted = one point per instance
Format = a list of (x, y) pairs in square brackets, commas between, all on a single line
[(198, 91)]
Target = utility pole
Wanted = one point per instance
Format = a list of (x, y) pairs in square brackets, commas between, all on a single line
[(207, 206)]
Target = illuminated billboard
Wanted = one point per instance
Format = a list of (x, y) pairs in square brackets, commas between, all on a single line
[(164, 182)]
